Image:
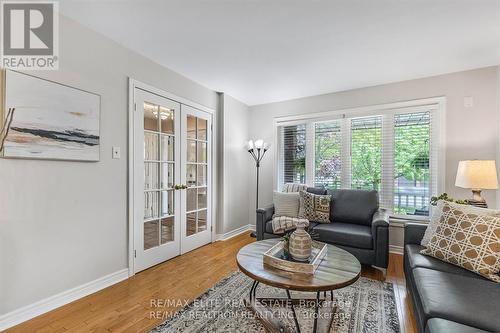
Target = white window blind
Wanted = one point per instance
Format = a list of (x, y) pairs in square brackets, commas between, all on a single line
[(292, 154), (392, 151), (328, 154), (412, 151), (366, 153)]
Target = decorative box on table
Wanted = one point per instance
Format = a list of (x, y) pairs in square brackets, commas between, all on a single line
[(277, 258)]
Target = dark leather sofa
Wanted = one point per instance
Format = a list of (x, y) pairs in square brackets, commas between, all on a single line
[(358, 225), (445, 297)]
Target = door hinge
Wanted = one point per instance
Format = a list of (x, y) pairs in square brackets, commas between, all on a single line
[(135, 254), (211, 228), (135, 106)]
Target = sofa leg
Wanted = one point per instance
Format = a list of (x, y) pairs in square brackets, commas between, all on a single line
[(383, 270)]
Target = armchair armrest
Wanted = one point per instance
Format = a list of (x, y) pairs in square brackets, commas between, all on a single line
[(380, 219), (263, 216), (380, 234), (414, 233)]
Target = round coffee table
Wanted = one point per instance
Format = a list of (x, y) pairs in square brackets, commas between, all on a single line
[(338, 269)]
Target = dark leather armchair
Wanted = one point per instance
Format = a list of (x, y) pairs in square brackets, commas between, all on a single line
[(357, 225)]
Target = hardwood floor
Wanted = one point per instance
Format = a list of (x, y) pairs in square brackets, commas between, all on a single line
[(126, 306)]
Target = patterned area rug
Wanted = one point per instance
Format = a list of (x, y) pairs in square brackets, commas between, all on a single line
[(366, 306)]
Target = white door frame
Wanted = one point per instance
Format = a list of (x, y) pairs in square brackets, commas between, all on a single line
[(132, 85)]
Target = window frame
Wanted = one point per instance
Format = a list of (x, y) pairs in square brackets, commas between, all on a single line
[(437, 107)]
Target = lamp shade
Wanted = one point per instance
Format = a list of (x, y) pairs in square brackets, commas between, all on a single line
[(249, 145), (477, 174), (259, 144)]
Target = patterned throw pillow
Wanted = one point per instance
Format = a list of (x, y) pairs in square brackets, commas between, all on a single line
[(281, 224), (294, 187), (438, 211), (286, 204), (468, 240), (314, 207)]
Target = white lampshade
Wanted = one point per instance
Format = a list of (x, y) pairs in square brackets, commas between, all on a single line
[(477, 174), (259, 143), (250, 145)]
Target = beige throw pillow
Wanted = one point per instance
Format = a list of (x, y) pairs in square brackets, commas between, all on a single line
[(314, 207), (438, 211), (468, 240), (286, 204)]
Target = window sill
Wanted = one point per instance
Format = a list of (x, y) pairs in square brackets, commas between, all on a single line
[(401, 222)]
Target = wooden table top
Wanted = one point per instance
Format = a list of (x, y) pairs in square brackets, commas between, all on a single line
[(338, 269)]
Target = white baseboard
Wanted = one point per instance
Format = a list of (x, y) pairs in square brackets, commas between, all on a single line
[(235, 232), (50, 303), (396, 249)]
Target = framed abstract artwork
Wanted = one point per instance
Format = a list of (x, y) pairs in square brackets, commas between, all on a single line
[(51, 120)]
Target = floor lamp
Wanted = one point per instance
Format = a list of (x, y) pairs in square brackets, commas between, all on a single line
[(257, 149)]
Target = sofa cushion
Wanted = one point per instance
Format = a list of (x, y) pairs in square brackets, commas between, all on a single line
[(438, 325), (469, 301), (416, 259), (353, 206), (468, 240), (347, 234), (286, 204), (438, 212), (314, 207)]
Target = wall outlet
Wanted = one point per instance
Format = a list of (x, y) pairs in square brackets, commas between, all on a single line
[(468, 102), (116, 152)]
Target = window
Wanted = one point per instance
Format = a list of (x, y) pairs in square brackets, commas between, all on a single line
[(393, 151), (293, 157), (411, 163), (366, 153), (328, 163)]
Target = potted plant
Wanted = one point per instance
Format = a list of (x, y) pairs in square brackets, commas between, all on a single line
[(286, 245), (445, 197)]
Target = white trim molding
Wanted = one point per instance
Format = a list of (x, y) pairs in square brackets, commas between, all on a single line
[(396, 249), (50, 303), (235, 232), (136, 84)]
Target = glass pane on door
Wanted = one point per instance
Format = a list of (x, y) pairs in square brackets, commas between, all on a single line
[(167, 230), (151, 235), (159, 166), (196, 175)]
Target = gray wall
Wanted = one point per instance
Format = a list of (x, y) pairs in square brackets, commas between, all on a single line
[(498, 139), (235, 165), (471, 133), (63, 224)]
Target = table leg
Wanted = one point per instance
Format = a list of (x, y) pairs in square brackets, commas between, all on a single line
[(316, 313), (258, 306), (254, 284), (293, 311)]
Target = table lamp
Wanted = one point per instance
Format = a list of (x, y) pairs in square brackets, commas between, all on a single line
[(477, 175)]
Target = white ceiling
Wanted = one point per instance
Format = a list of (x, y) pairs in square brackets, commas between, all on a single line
[(262, 51)]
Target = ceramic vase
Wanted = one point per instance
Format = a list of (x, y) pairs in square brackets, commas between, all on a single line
[(300, 244)]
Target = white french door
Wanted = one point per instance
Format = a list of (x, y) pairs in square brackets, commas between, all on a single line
[(172, 179), (196, 165)]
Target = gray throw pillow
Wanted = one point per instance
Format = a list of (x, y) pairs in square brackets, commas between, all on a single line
[(286, 204)]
